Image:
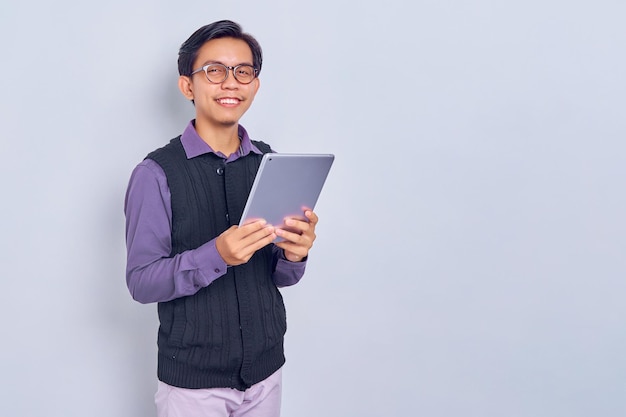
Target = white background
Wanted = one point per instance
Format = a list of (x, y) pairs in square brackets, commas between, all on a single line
[(470, 255)]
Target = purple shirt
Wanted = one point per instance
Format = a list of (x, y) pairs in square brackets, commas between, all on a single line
[(151, 274)]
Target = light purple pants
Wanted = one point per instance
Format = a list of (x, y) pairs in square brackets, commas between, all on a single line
[(260, 400)]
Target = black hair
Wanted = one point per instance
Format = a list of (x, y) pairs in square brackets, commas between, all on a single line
[(221, 29)]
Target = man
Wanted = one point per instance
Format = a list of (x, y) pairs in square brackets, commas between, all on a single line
[(222, 318)]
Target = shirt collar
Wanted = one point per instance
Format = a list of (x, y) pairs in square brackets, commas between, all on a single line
[(195, 146)]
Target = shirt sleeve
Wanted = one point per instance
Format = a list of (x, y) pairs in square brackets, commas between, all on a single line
[(151, 274), (286, 272)]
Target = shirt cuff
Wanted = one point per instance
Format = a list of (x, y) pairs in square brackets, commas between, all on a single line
[(209, 263), (288, 273)]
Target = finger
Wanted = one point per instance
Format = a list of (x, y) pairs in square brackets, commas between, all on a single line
[(310, 214), (258, 238), (251, 226), (292, 251), (254, 231), (250, 221), (292, 248), (294, 237), (297, 225), (246, 253), (262, 234)]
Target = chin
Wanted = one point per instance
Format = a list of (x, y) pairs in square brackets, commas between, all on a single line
[(229, 123)]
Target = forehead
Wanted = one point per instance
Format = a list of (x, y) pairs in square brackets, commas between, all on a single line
[(229, 51)]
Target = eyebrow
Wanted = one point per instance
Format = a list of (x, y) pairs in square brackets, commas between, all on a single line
[(219, 62)]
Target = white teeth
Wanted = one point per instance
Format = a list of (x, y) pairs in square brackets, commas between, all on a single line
[(228, 101)]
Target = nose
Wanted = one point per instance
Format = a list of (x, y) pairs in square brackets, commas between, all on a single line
[(230, 81)]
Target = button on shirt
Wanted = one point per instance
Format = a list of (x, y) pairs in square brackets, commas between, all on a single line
[(151, 274)]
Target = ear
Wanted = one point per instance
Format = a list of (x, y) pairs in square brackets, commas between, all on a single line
[(185, 86), (257, 84)]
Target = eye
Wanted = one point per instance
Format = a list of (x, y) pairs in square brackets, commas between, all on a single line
[(245, 71), (215, 69)]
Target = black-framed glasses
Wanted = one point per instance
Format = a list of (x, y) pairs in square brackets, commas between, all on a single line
[(218, 73)]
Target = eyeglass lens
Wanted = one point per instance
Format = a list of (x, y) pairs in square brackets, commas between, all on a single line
[(217, 73)]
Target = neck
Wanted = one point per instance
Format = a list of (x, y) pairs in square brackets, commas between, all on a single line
[(224, 139)]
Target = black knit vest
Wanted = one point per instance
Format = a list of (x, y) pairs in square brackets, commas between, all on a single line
[(229, 334)]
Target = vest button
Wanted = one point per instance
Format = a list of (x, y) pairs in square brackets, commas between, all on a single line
[(220, 171)]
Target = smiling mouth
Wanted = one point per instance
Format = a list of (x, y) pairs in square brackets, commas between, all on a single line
[(231, 101)]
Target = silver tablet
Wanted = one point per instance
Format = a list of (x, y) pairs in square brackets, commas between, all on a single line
[(285, 185)]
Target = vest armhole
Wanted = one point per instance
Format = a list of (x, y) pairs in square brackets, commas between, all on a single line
[(262, 146)]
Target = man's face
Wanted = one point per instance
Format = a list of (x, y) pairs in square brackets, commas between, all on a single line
[(222, 104)]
